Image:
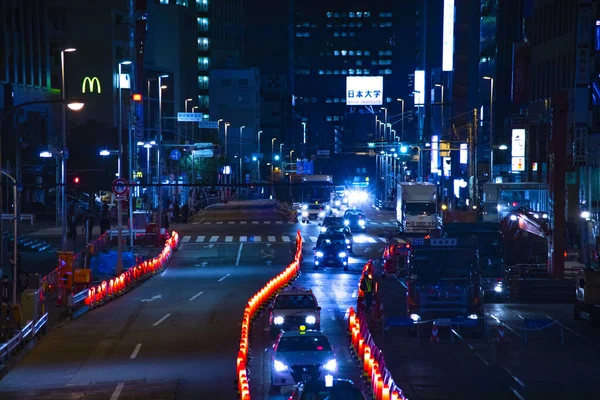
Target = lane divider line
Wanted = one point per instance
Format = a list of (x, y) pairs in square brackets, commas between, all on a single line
[(118, 390), (487, 364), (161, 320), (520, 382), (136, 350), (223, 278), (194, 297), (519, 396), (239, 254), (164, 272)]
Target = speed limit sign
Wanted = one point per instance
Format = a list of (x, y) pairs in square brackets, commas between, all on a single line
[(119, 187)]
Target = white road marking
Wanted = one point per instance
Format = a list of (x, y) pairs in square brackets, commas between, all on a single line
[(165, 272), (267, 222), (229, 238), (194, 297), (237, 261), (136, 350), (471, 348), (118, 390), (207, 223), (223, 278), (244, 222), (272, 239), (161, 320), (520, 382), (354, 294), (255, 222), (384, 240), (231, 222), (278, 222), (286, 239), (243, 239), (185, 239), (257, 239), (200, 239), (220, 223), (371, 240), (213, 239), (203, 218), (313, 239), (516, 393)]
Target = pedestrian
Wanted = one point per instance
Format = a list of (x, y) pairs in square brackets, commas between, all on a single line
[(185, 211), (72, 235), (5, 290), (366, 285)]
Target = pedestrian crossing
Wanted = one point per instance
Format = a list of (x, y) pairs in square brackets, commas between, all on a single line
[(358, 239), (369, 223)]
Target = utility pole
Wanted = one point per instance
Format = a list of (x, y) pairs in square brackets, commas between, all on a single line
[(475, 176)]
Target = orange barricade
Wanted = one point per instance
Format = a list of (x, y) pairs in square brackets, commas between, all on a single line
[(255, 304), (372, 362), (145, 269)]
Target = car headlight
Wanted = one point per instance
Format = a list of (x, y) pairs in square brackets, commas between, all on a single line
[(304, 207), (323, 229), (347, 241), (342, 254), (311, 320), (338, 203), (498, 289), (346, 222), (361, 222), (345, 200), (473, 316), (327, 207), (278, 320), (319, 254), (279, 366), (331, 365), (304, 214), (322, 214)]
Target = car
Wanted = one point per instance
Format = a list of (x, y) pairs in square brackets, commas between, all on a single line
[(328, 388), (331, 251), (313, 212), (331, 221), (301, 356), (346, 231), (356, 220), (292, 309)]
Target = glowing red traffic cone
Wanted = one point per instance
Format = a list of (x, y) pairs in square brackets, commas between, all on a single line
[(435, 334)]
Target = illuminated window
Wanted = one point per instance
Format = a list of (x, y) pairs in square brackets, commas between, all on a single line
[(344, 52), (359, 25), (336, 15), (344, 34), (385, 62), (352, 34), (336, 118), (344, 72), (367, 14), (351, 71), (336, 34), (328, 100), (164, 1), (203, 63), (329, 15), (203, 24), (359, 14), (328, 72), (203, 43), (329, 25), (359, 72), (202, 5), (351, 15), (306, 24), (336, 100), (367, 53), (358, 62), (321, 72), (203, 101), (359, 52), (366, 72), (328, 118), (373, 62), (203, 82), (388, 99), (351, 53), (388, 72), (336, 52)]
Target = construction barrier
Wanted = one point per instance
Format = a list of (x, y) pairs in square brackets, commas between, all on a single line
[(380, 383), (115, 287), (253, 307)]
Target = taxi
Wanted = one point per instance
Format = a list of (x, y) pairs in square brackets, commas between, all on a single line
[(292, 309), (302, 355)]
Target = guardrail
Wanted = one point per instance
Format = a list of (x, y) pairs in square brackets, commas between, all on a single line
[(253, 308), (29, 331), (23, 217), (290, 213), (96, 296), (380, 383)]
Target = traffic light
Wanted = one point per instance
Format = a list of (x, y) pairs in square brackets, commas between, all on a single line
[(337, 142), (76, 180), (136, 97)]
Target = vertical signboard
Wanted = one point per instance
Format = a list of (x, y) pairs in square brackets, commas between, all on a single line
[(582, 78), (419, 94), (520, 73), (518, 150), (435, 154), (448, 36), (464, 153)]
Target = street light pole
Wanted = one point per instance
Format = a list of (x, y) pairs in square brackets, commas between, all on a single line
[(63, 159), (402, 120), (491, 127), (15, 241), (159, 152), (240, 157), (258, 158)]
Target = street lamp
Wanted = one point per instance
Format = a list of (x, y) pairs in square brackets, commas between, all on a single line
[(273, 158), (491, 126), (240, 157), (258, 156), (402, 120), (186, 103), (503, 147), (106, 153), (63, 160), (161, 87), (227, 124)]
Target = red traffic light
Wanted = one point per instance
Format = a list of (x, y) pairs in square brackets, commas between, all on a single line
[(76, 180), (136, 97)]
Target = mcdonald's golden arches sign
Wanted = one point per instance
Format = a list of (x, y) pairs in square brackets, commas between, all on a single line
[(91, 85)]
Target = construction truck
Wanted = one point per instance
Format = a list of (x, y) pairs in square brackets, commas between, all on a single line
[(416, 208), (587, 304)]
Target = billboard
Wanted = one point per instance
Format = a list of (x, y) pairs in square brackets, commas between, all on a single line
[(419, 92), (364, 90), (448, 36), (518, 150)]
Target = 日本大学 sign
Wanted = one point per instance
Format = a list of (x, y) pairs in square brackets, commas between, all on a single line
[(364, 90), (91, 84)]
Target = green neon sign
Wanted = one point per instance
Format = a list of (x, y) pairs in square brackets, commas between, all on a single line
[(91, 84)]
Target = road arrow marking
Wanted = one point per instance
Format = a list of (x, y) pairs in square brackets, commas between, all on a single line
[(204, 263), (210, 246), (152, 299), (268, 244)]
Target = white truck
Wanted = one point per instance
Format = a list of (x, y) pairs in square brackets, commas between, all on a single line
[(416, 208)]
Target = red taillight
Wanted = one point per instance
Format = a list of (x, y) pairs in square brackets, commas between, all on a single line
[(410, 301), (476, 301)]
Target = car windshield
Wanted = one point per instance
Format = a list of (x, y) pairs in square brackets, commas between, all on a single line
[(295, 302), (332, 221), (338, 229), (332, 393), (332, 241), (304, 343), (355, 217), (315, 207), (420, 208), (443, 265)]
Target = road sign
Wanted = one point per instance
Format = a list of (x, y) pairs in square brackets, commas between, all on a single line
[(203, 153), (208, 124), (199, 146), (189, 117), (175, 155), (300, 168), (322, 152), (398, 321), (119, 187)]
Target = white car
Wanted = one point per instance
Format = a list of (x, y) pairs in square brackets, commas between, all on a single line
[(313, 212), (301, 356), (293, 309)]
